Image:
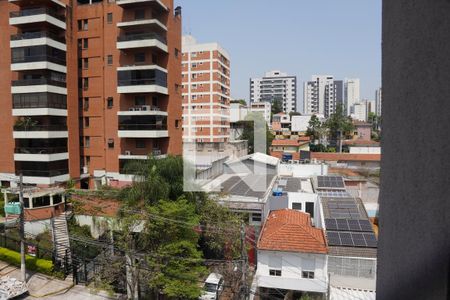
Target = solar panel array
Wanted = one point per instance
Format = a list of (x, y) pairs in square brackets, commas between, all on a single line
[(343, 209), (348, 225), (333, 182), (355, 239), (333, 194)]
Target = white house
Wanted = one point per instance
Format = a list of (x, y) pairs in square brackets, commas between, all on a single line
[(292, 256)]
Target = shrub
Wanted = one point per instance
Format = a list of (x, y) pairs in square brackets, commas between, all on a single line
[(32, 263)]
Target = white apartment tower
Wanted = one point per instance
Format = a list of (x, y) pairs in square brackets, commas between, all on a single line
[(321, 95), (206, 92), (275, 85), (378, 101), (351, 94)]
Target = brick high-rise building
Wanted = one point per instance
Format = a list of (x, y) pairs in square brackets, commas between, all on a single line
[(206, 93), (86, 86)]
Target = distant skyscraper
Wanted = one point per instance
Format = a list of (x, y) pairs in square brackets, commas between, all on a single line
[(275, 85), (351, 94), (359, 111), (321, 95), (378, 101)]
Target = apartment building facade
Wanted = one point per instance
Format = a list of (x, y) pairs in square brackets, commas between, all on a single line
[(275, 86), (87, 86), (322, 94), (206, 93), (351, 94)]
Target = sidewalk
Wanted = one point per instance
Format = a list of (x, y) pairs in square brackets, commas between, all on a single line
[(44, 287)]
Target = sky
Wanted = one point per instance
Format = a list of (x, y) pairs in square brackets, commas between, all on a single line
[(299, 37)]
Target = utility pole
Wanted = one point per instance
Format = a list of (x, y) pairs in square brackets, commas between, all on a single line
[(244, 263), (22, 230)]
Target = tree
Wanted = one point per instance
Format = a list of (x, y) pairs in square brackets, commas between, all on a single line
[(314, 125), (255, 126), (277, 106), (338, 125), (240, 101)]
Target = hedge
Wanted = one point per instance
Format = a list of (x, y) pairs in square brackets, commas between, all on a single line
[(43, 266)]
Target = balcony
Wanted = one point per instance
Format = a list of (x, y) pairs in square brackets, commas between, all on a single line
[(128, 155), (40, 132), (156, 4), (40, 172), (38, 85), (142, 81), (142, 126), (39, 104), (142, 40), (143, 110), (28, 39), (37, 15), (41, 154), (147, 23), (38, 62)]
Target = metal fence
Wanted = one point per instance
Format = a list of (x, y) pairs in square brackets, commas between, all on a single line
[(33, 249)]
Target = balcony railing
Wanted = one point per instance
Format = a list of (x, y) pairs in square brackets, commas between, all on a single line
[(36, 58), (39, 103), (42, 173), (142, 127), (41, 128), (36, 35), (148, 81), (36, 11), (42, 150), (38, 81), (141, 36)]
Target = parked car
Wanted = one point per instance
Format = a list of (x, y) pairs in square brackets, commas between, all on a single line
[(212, 287)]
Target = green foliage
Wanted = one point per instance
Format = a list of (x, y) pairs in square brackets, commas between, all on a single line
[(255, 125), (314, 125), (277, 106), (32, 263), (241, 101), (25, 123), (339, 124), (2, 207)]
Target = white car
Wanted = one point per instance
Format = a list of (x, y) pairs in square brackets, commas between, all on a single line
[(213, 287)]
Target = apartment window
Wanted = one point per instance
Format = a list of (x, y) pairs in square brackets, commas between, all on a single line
[(110, 60), (155, 144), (297, 206), (86, 122), (177, 123), (177, 52), (110, 143), (82, 25), (109, 18), (154, 58), (85, 63), (85, 43), (177, 87), (308, 274), (309, 208), (86, 104), (88, 161), (256, 217), (87, 141), (194, 54), (139, 14), (140, 143), (109, 102), (194, 76), (139, 57), (85, 83), (139, 100), (274, 272), (308, 267)]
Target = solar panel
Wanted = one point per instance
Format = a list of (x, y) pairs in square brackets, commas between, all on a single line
[(330, 224), (330, 182), (354, 239), (365, 225), (343, 224), (333, 194)]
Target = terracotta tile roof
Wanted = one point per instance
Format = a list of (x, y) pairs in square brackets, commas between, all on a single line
[(345, 156), (361, 142), (304, 138), (290, 142), (291, 230), (361, 123)]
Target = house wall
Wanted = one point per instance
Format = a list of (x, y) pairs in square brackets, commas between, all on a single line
[(365, 150), (364, 133), (300, 170), (291, 270)]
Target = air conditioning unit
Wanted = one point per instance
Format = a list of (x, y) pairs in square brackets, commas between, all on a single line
[(146, 107), (127, 152), (131, 109), (138, 109), (85, 170)]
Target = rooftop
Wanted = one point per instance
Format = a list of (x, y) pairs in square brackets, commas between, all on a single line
[(345, 156), (291, 230), (289, 142), (250, 185)]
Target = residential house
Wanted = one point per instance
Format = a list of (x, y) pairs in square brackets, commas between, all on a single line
[(292, 257)]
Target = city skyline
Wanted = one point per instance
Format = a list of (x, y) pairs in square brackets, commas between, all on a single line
[(351, 48)]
